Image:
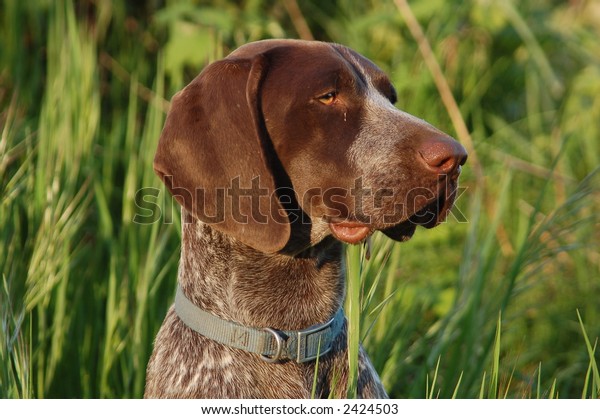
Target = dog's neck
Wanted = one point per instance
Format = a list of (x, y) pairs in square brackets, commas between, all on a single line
[(237, 283)]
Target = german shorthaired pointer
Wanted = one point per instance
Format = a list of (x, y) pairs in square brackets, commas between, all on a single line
[(278, 154)]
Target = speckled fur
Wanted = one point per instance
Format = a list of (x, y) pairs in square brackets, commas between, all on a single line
[(236, 283)]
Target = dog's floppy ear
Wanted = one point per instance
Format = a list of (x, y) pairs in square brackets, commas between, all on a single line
[(213, 154)]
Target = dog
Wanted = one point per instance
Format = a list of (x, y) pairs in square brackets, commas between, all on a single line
[(279, 154)]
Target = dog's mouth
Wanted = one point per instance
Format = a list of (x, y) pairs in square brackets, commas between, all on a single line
[(428, 216), (350, 231)]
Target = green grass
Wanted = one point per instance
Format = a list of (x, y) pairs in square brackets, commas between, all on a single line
[(500, 301)]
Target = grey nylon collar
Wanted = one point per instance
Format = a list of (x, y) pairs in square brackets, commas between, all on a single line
[(271, 344)]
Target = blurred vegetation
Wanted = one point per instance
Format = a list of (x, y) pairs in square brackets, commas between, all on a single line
[(486, 305)]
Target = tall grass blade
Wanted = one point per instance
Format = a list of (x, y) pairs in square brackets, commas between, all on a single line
[(313, 391), (539, 383), (433, 380), (493, 392), (354, 256), (553, 394), (457, 387), (593, 366), (482, 388)]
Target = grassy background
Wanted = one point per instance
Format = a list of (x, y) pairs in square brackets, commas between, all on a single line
[(503, 300)]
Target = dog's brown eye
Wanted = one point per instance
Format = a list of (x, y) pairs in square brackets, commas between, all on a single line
[(328, 99)]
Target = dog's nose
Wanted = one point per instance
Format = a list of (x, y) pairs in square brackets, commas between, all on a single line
[(442, 154)]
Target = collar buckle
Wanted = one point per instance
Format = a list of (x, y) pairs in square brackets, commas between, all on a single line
[(311, 342)]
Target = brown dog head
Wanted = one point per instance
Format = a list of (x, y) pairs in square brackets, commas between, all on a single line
[(291, 141)]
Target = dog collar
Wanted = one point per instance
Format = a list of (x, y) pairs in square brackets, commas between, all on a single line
[(271, 344)]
